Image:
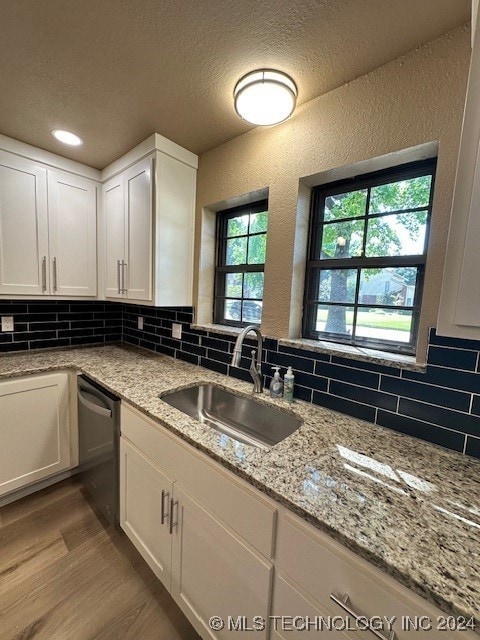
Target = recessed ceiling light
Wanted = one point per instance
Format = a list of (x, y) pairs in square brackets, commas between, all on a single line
[(265, 97), (67, 137)]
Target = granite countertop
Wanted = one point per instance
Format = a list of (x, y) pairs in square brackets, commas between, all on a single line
[(409, 507)]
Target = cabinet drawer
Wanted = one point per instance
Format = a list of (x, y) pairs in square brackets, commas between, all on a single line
[(296, 611), (242, 508), (321, 567)]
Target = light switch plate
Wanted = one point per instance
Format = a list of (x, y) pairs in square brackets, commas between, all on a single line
[(7, 323), (176, 331), (140, 323)]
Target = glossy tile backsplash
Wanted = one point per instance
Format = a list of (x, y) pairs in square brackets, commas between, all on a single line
[(441, 405), (45, 324)]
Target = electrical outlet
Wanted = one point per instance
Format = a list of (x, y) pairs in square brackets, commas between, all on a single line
[(7, 323), (176, 331), (140, 323)]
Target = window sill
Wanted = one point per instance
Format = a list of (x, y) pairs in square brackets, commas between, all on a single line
[(363, 354), (218, 328)]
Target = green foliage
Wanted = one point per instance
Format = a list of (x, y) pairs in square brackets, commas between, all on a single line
[(343, 238)]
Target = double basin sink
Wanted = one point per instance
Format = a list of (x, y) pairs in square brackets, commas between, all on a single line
[(239, 417)]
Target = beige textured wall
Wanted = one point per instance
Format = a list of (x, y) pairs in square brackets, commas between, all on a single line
[(413, 100)]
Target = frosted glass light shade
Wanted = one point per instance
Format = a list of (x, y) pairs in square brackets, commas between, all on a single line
[(265, 97), (67, 137)]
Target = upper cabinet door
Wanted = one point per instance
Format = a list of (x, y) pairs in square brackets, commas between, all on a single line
[(174, 227), (459, 313), (23, 227), (72, 211), (139, 200), (115, 227)]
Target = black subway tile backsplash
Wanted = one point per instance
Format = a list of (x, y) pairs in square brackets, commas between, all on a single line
[(355, 409), (441, 405), (46, 324), (473, 447), (429, 432), (453, 358)]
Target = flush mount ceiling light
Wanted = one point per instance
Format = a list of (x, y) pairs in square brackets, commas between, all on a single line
[(265, 97), (67, 137)]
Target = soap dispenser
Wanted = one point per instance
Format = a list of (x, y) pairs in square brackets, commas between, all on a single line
[(289, 384), (276, 385)]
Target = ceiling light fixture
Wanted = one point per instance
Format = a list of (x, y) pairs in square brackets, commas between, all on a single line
[(67, 137), (265, 97)]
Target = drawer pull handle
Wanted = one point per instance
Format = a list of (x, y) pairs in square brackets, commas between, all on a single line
[(165, 494), (345, 603), (173, 504)]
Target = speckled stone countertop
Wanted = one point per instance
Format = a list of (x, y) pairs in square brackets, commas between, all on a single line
[(407, 506)]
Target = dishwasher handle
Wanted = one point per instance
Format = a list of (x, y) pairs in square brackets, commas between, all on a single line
[(91, 406)]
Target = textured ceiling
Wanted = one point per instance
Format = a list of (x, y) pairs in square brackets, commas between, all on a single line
[(115, 71)]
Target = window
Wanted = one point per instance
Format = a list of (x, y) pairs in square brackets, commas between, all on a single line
[(241, 245), (368, 243)]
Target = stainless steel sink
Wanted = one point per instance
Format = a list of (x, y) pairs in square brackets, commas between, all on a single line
[(241, 418)]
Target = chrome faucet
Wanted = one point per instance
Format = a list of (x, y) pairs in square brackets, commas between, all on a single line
[(255, 367)]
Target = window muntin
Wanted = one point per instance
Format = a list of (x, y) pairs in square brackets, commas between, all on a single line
[(367, 253), (239, 274)]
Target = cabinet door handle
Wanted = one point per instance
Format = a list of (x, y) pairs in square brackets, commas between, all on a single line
[(55, 274), (345, 603), (118, 277), (166, 495), (44, 273), (173, 504), (124, 276)]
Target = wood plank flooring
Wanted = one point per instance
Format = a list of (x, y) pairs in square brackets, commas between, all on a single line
[(64, 575)]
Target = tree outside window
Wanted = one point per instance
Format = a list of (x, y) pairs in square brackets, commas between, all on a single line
[(368, 249)]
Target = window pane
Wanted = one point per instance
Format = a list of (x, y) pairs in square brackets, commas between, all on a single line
[(334, 319), (389, 286), (253, 285), (403, 194), (258, 222), (251, 311), (233, 310), (337, 285), (346, 205), (397, 235), (236, 251), (384, 324), (256, 249), (342, 239), (233, 285), (237, 226)]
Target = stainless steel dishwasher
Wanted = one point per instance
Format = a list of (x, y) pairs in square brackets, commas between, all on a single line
[(98, 440)]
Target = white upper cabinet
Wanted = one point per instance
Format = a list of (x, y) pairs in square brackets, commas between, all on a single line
[(128, 216), (139, 219), (48, 230), (23, 227), (72, 214), (148, 212), (459, 314), (114, 218)]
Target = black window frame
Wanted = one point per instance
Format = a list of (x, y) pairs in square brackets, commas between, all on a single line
[(315, 263), (221, 268)]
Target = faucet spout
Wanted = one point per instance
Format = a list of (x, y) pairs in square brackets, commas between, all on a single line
[(256, 365)]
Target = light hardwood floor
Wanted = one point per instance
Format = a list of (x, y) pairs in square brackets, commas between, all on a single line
[(64, 576)]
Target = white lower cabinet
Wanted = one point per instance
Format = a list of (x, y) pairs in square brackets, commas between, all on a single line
[(294, 615), (144, 492), (326, 572), (208, 567), (216, 573), (34, 429), (210, 538)]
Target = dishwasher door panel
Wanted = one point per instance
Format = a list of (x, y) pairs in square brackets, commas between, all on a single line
[(98, 434)]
